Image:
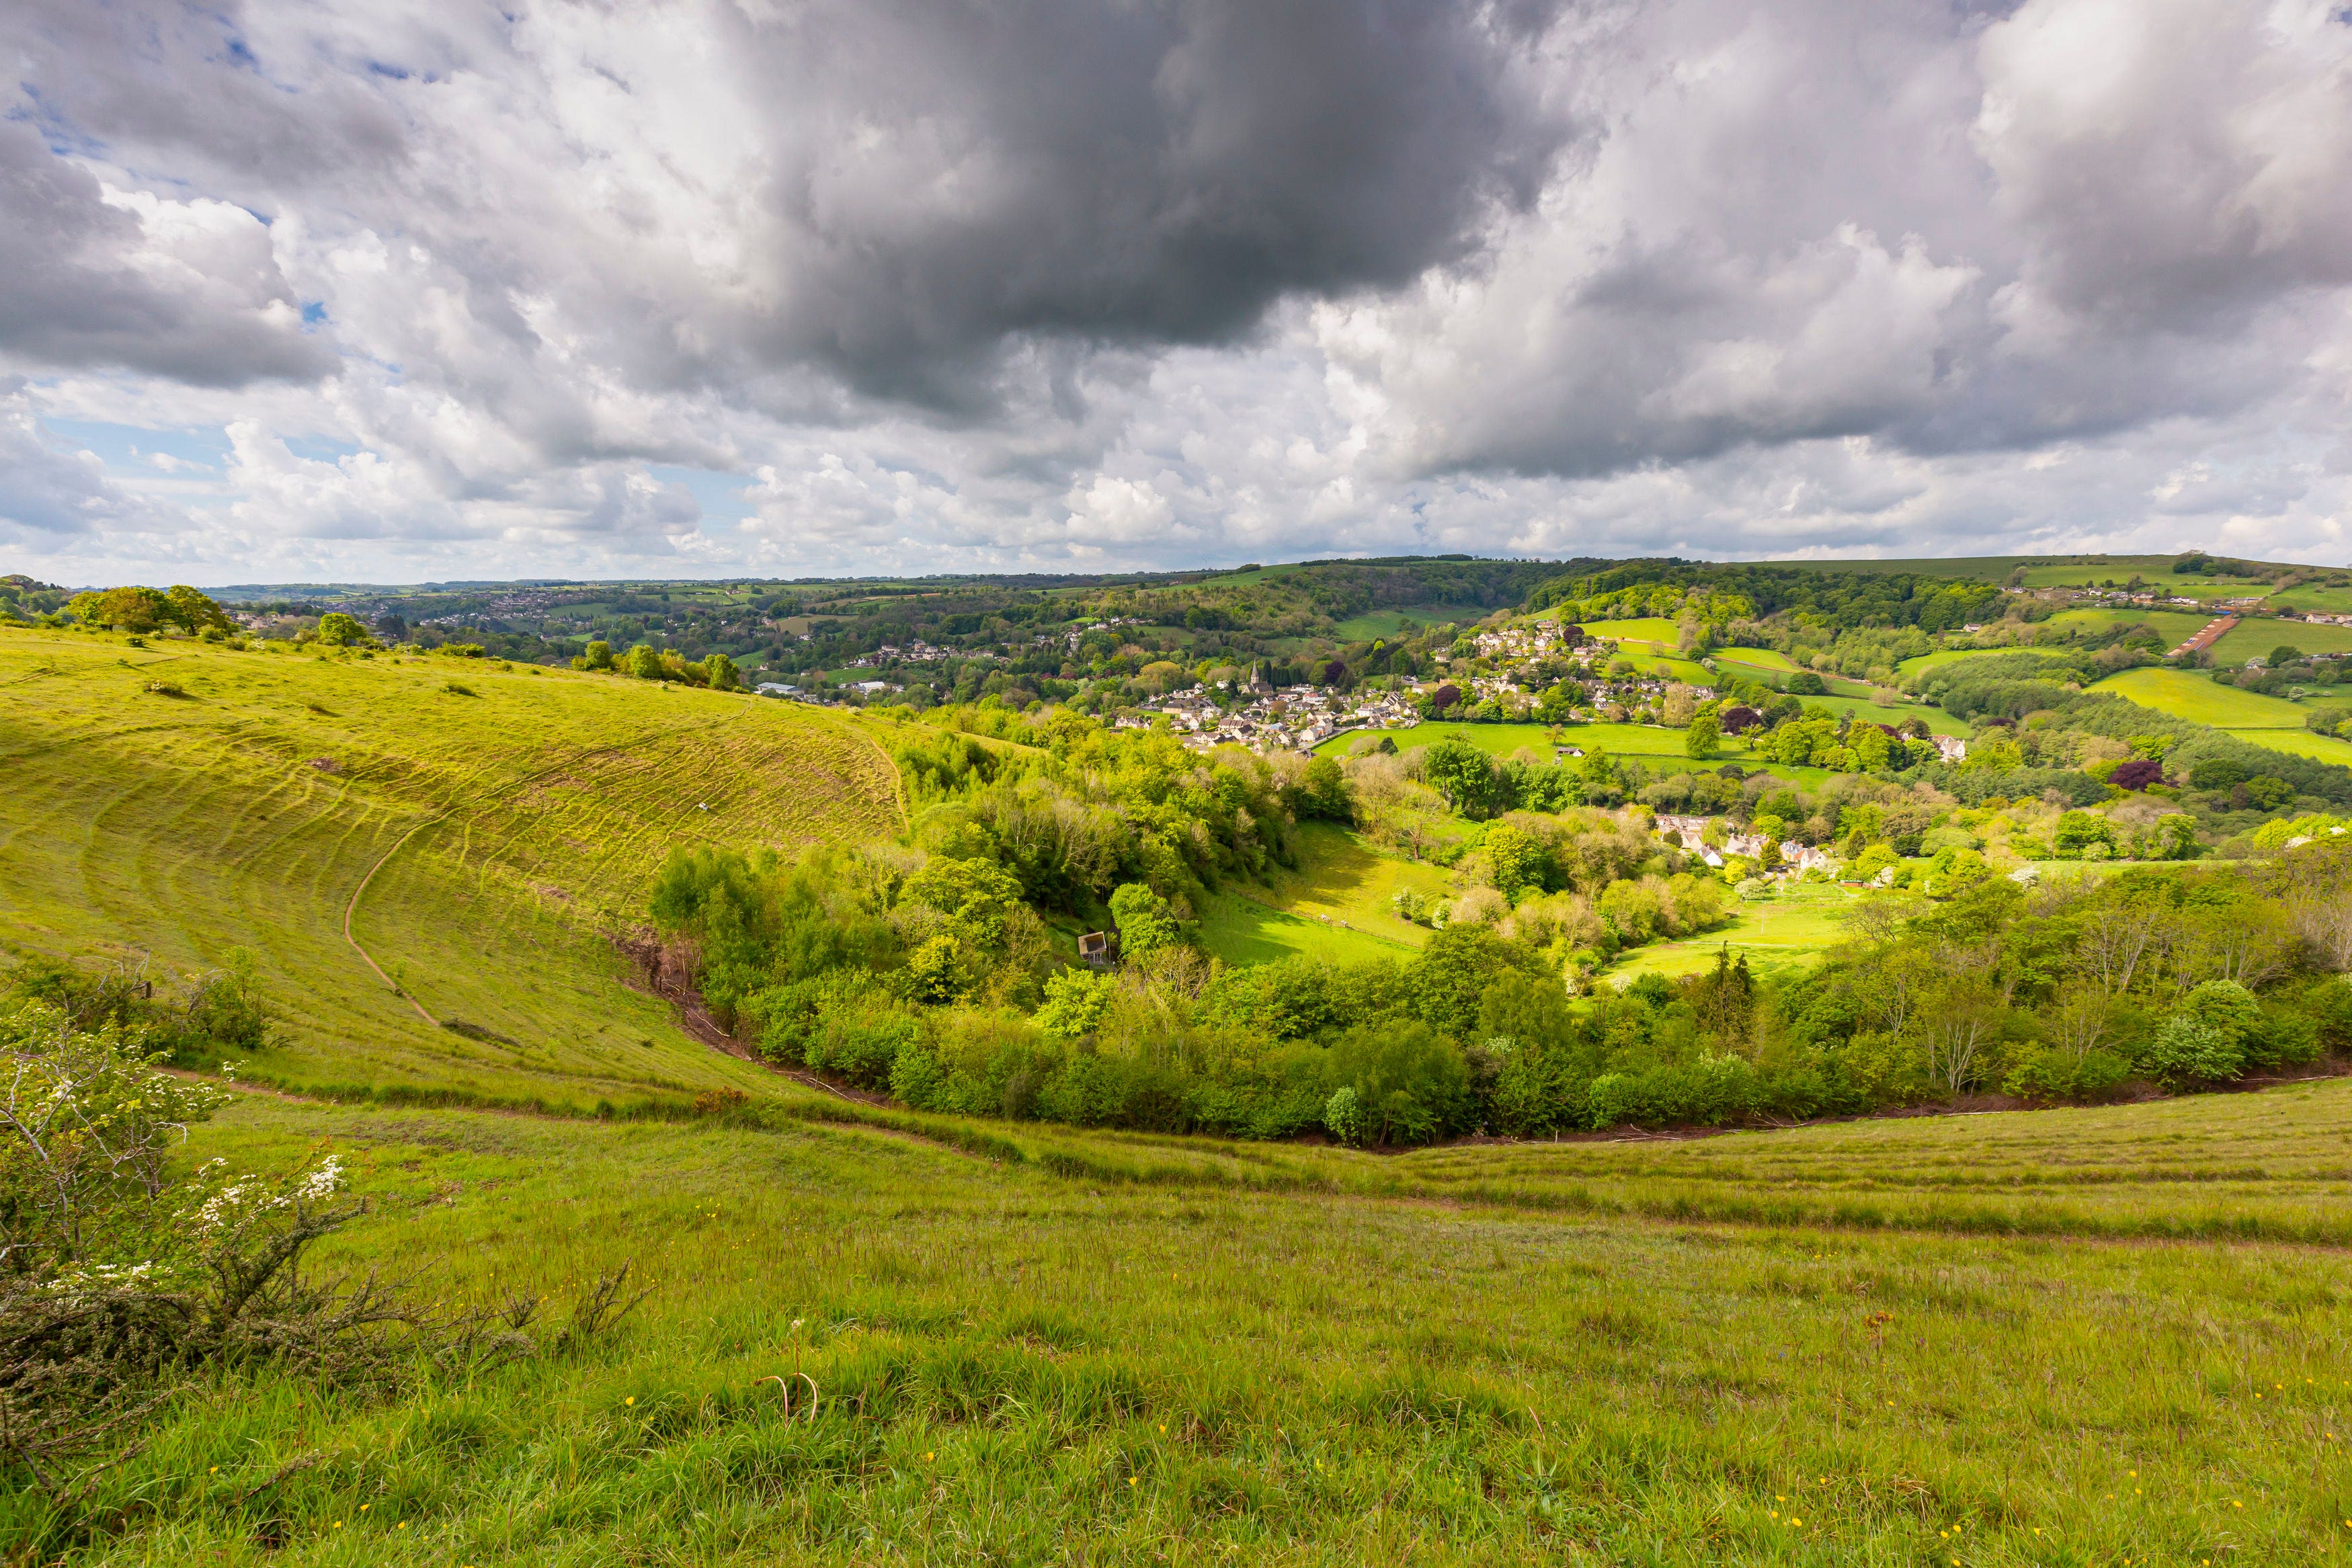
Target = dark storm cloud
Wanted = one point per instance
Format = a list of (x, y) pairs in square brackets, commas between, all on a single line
[(948, 175)]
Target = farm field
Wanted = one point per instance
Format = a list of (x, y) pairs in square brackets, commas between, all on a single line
[(1986, 1338), (2175, 626), (2300, 743), (1938, 722), (2313, 596), (503, 822), (2255, 639), (1389, 622), (1788, 931), (1660, 634), (1770, 659), (1339, 893), (2187, 695), (1684, 670)]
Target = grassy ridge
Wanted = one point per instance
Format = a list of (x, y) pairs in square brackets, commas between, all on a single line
[(1565, 1357), (522, 815), (2196, 697)]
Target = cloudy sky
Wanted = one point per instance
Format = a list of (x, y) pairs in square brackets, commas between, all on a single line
[(396, 290)]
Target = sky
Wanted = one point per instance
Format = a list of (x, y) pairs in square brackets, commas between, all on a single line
[(398, 290)]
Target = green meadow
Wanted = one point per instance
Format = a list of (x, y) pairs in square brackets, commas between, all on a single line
[(2255, 639), (1335, 902), (2194, 697), (1389, 622), (2058, 1337), (1790, 929), (2299, 743)]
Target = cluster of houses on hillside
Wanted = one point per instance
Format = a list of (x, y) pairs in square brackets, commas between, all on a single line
[(1689, 833), (1530, 641), (1288, 718)]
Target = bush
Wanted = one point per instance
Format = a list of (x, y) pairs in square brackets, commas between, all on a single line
[(2204, 1040), (1410, 1085), (861, 1044), (2055, 1074)]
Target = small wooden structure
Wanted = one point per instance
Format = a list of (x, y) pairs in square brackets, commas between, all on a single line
[(1099, 949)]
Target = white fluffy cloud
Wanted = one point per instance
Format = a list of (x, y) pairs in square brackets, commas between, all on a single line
[(917, 286)]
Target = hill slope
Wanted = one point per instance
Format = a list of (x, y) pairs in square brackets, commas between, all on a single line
[(505, 824), (1977, 1339)]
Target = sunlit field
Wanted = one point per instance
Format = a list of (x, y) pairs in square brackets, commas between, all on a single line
[(1993, 1340)]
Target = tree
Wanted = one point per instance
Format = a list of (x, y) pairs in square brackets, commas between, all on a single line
[(1445, 697), (1514, 861), (1324, 791), (338, 629), (1146, 924), (185, 607), (1705, 734), (1960, 1024), (721, 671), (975, 893), (1464, 775), (2285, 653), (1805, 683), (598, 655), (129, 609), (645, 664)]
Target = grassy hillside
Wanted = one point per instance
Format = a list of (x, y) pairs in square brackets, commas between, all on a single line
[(1335, 904), (1975, 1340), (1791, 929), (505, 824), (2255, 639), (2300, 743), (2196, 697)]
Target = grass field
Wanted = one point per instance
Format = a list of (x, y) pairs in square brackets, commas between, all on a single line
[(2313, 596), (1335, 904), (2255, 639), (1767, 659), (1980, 1340), (2195, 698), (1943, 657), (2300, 743), (1389, 622), (1788, 931), (505, 824), (2175, 626)]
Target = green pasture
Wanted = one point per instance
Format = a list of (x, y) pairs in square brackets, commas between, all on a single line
[(2175, 626), (1938, 721), (1336, 902), (2254, 639), (1686, 671), (2075, 1337), (2313, 597), (1789, 930), (1766, 658), (2185, 693), (1389, 622), (1661, 634), (2300, 743), (506, 825), (1942, 657)]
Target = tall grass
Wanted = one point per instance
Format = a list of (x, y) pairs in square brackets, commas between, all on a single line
[(866, 1346)]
